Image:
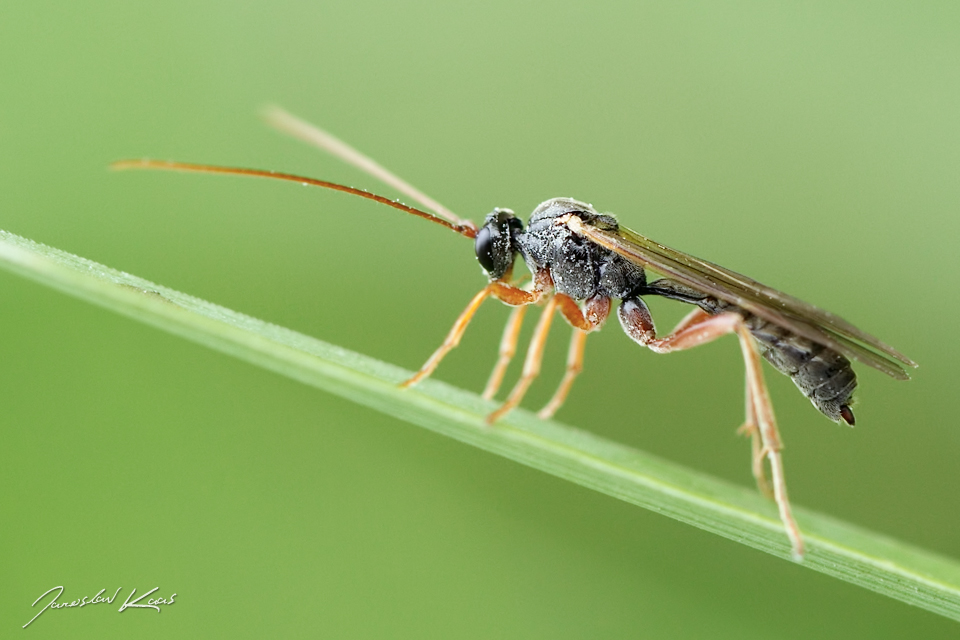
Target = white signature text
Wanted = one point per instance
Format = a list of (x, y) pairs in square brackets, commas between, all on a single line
[(129, 603)]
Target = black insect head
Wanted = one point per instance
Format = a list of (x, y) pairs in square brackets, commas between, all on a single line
[(495, 245)]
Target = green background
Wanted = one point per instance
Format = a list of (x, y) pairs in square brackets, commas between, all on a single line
[(814, 146)]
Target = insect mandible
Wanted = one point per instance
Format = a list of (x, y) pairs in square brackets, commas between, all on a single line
[(582, 261)]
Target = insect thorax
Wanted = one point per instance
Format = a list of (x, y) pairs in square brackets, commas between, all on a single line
[(580, 268)]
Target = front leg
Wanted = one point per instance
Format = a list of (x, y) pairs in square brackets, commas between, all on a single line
[(506, 293), (700, 328)]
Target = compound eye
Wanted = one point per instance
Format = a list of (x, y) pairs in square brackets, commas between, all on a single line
[(484, 248)]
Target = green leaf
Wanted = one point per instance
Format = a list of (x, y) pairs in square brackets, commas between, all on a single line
[(836, 548)]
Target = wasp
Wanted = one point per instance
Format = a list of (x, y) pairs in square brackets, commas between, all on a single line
[(582, 261)]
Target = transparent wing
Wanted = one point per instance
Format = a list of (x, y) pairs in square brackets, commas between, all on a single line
[(774, 306), (303, 130)]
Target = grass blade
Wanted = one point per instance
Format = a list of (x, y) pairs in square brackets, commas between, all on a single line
[(836, 548)]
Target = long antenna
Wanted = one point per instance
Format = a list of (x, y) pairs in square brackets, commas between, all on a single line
[(470, 231), (311, 134)]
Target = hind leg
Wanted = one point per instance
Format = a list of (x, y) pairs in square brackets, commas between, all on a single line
[(700, 328), (750, 428)]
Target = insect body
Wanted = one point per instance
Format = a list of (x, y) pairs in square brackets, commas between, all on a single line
[(582, 261), (586, 271)]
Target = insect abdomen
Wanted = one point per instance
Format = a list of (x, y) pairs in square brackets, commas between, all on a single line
[(822, 375)]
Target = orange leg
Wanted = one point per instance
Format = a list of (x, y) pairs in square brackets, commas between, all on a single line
[(508, 348), (750, 428), (700, 328), (591, 318), (694, 317), (507, 293), (531, 366), (452, 339), (574, 366)]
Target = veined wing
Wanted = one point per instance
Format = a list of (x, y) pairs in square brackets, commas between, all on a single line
[(765, 302)]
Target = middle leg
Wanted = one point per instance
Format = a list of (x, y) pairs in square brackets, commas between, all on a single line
[(531, 365), (594, 313)]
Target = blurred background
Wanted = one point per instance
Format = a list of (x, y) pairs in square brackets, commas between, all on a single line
[(815, 147)]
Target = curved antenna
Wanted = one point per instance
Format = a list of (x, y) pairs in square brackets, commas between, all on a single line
[(469, 231), (311, 134)]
